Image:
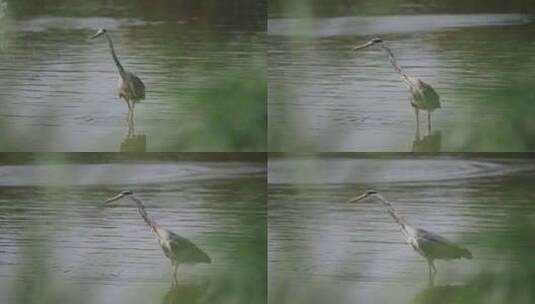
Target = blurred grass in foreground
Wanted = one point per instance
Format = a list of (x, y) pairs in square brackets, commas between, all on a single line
[(231, 115)]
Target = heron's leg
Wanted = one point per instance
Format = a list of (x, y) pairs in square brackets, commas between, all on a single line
[(431, 280), (130, 127), (126, 100), (433, 266), (129, 107), (131, 115), (175, 271), (429, 122), (432, 270), (417, 120)]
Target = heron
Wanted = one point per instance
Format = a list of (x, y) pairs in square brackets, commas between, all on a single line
[(424, 97), (178, 249), (131, 88), (429, 245)]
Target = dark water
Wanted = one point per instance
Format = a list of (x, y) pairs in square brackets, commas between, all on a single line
[(323, 249), (57, 237), (58, 89), (325, 97)]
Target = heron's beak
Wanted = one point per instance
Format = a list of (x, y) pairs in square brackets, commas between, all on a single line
[(113, 199), (363, 46), (98, 34), (358, 198)]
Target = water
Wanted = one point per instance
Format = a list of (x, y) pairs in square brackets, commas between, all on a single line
[(58, 89), (326, 97), (323, 249), (56, 236)]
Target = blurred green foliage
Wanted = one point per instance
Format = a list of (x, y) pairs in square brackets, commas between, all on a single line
[(511, 99), (230, 115)]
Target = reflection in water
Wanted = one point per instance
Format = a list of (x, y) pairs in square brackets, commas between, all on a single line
[(432, 142), (185, 293), (442, 294), (133, 142)]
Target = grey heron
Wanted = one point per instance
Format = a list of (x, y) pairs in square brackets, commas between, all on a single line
[(178, 249), (424, 97), (131, 88), (428, 244)]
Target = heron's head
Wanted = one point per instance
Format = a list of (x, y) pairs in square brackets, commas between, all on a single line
[(99, 33), (374, 41), (365, 195), (119, 196)]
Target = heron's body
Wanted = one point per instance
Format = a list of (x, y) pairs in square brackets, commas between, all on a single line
[(131, 88), (178, 249), (423, 96), (432, 246), (429, 245)]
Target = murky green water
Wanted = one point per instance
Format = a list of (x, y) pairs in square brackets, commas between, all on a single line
[(325, 97), (60, 245), (203, 69), (322, 249)]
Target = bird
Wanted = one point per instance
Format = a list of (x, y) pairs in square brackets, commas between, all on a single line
[(178, 249), (424, 97), (429, 245), (131, 88)]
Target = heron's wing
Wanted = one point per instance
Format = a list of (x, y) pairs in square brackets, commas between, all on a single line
[(436, 246), (185, 251), (136, 85), (429, 94)]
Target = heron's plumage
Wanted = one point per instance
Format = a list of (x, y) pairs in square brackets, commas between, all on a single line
[(437, 247), (185, 252), (423, 95), (131, 87)]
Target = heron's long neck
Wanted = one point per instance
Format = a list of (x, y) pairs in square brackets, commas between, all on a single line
[(141, 209), (117, 63), (396, 66), (392, 212)]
